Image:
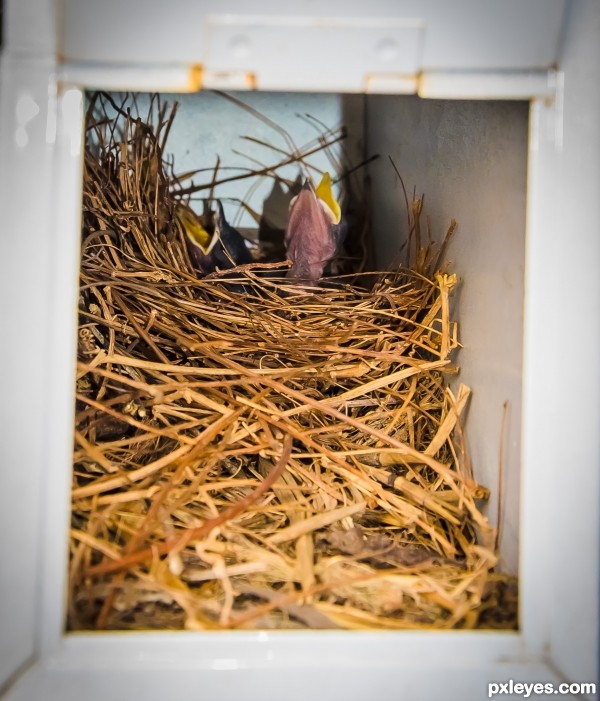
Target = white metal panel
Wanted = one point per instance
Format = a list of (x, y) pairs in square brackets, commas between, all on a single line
[(26, 132), (338, 46), (492, 85), (178, 77), (562, 370), (417, 683), (264, 665), (61, 345), (313, 55), (30, 27)]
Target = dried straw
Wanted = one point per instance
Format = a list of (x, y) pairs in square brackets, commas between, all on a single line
[(274, 457)]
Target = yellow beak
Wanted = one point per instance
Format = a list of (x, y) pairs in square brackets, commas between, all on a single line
[(325, 194), (194, 230)]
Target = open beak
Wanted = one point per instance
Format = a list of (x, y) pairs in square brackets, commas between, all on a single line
[(213, 246), (312, 233)]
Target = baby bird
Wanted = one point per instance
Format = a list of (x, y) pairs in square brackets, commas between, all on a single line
[(212, 242), (313, 232), (233, 250)]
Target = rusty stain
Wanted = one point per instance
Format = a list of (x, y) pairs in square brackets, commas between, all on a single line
[(404, 78), (195, 77), (251, 80)]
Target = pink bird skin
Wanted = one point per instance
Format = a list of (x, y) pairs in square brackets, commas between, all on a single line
[(311, 237)]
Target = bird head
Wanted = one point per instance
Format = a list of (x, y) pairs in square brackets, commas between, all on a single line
[(313, 230), (212, 241)]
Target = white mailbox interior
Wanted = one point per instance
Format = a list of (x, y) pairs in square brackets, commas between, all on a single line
[(502, 135)]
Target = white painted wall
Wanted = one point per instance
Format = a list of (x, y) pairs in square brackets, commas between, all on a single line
[(469, 159), (208, 126)]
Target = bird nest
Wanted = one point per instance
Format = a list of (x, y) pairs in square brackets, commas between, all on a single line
[(255, 454)]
